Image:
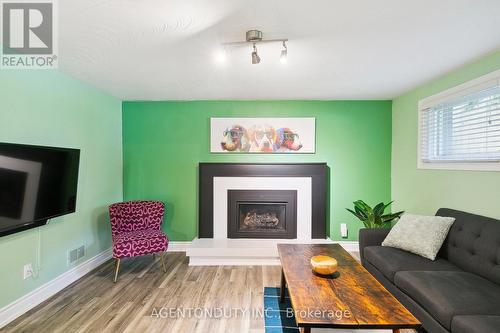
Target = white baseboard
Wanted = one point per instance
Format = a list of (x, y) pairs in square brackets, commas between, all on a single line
[(45, 291), (349, 246), (178, 246)]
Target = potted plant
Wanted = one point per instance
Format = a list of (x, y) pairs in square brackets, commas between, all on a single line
[(374, 217)]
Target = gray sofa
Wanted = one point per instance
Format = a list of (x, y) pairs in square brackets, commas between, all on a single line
[(459, 292)]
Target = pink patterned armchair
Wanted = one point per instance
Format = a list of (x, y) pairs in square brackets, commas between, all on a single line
[(136, 230)]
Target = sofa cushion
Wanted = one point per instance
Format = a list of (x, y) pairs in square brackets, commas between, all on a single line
[(473, 244), (389, 260), (447, 294), (475, 324)]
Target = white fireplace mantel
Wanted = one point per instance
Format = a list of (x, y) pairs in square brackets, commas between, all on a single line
[(301, 184)]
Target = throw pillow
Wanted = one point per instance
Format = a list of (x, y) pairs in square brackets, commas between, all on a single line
[(422, 235)]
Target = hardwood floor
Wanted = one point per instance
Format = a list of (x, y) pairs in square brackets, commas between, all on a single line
[(141, 299)]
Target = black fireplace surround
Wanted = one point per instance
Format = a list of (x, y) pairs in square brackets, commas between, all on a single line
[(318, 172)]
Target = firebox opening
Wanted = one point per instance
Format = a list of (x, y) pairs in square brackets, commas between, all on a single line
[(262, 214)]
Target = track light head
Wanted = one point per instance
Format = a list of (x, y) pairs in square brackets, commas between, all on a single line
[(255, 56), (284, 54)]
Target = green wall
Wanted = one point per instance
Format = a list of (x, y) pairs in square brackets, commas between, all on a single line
[(163, 142), (48, 108), (424, 191)]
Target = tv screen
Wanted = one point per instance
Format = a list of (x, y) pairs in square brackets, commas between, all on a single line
[(36, 184)]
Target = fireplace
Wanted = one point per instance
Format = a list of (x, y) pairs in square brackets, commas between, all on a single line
[(262, 214), (309, 180)]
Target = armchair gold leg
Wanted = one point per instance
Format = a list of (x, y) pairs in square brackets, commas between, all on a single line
[(117, 268), (163, 262)]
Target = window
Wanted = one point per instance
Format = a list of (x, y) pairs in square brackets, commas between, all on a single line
[(459, 129)]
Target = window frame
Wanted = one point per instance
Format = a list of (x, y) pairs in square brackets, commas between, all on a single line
[(461, 90)]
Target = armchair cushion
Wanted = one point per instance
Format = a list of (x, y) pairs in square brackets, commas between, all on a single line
[(139, 242)]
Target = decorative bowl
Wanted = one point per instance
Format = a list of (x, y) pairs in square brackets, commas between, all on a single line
[(324, 265)]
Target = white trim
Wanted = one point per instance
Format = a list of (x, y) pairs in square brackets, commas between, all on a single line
[(465, 88), (468, 87), (47, 290), (178, 246), (458, 166), (349, 246)]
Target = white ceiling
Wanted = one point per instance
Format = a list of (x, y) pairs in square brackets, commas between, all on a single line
[(338, 49)]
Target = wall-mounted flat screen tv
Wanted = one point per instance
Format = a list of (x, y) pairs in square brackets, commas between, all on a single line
[(36, 184)]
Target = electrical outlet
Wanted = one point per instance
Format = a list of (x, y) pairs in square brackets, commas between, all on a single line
[(28, 271), (343, 230)]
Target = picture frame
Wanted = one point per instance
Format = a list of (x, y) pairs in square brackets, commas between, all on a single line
[(263, 135)]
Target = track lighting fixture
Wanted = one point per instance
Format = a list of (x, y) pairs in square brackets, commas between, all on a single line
[(255, 37)]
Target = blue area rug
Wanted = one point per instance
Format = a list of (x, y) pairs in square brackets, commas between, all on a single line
[(278, 318)]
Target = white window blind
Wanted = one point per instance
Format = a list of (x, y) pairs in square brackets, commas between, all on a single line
[(462, 128)]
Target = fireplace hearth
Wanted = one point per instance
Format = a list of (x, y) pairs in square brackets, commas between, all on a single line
[(262, 214)]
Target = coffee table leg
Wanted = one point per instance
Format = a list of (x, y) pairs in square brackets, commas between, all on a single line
[(282, 287), (306, 330), (396, 330)]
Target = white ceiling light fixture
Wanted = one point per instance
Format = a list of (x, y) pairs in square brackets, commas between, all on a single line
[(255, 37)]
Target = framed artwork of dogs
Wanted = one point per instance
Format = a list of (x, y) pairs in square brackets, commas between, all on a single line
[(263, 135)]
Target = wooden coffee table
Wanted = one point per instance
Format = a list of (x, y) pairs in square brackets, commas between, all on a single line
[(350, 299)]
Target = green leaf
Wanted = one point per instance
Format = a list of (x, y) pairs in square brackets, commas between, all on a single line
[(387, 205), (361, 212), (391, 217), (378, 210), (386, 225), (373, 217), (356, 214), (363, 207)]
